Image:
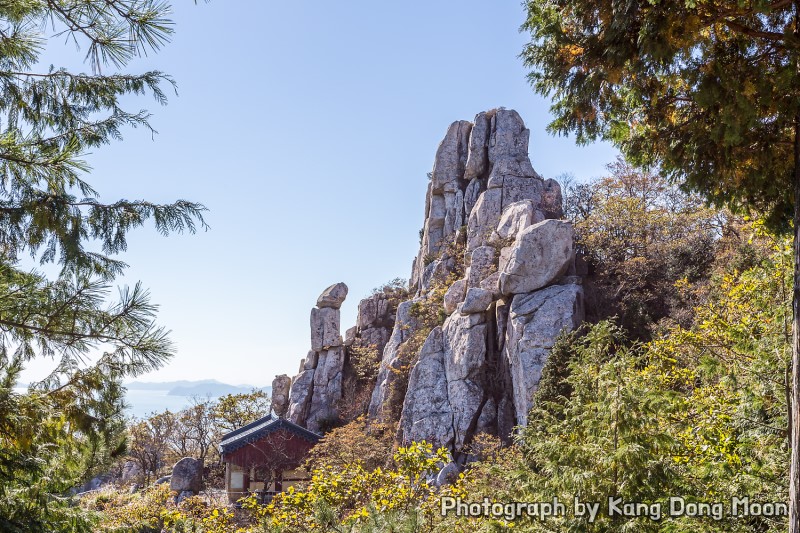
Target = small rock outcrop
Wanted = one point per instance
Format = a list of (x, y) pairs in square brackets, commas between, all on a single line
[(375, 321), (281, 386), (131, 472), (499, 266)]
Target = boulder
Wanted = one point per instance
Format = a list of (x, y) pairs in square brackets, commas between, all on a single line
[(482, 264), (515, 218), (478, 156), (280, 394), (476, 301), (455, 295), (131, 472), (93, 484), (325, 328), (534, 322), (333, 296), (451, 156), (540, 256), (187, 475), (447, 475)]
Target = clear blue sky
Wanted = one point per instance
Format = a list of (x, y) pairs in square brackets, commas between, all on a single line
[(307, 128)]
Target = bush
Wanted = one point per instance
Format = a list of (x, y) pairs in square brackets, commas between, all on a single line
[(352, 498), (353, 443), (641, 235), (154, 511)]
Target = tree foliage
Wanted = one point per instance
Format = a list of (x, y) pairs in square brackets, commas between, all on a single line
[(707, 90), (149, 444), (640, 235), (70, 423), (233, 411), (353, 443)]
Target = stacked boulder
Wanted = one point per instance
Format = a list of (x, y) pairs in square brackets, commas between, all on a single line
[(318, 387), (281, 386), (374, 323), (490, 216)]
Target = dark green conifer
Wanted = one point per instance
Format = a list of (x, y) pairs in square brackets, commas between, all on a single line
[(66, 427)]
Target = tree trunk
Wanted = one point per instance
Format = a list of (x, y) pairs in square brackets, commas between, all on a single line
[(794, 474), (794, 471)]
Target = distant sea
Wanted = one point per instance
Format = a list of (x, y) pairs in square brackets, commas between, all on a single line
[(142, 403)]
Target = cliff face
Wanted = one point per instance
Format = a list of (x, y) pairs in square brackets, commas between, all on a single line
[(496, 264)]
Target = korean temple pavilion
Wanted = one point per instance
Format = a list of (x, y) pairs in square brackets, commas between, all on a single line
[(265, 457)]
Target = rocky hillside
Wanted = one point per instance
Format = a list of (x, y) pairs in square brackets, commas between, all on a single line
[(494, 282)]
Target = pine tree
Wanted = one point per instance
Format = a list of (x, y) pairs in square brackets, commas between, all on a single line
[(707, 90), (71, 423)]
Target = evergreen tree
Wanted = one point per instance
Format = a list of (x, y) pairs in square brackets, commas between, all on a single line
[(707, 90), (69, 424)]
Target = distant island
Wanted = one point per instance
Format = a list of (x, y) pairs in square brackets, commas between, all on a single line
[(206, 387)]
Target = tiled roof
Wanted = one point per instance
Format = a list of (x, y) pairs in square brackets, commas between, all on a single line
[(259, 429)]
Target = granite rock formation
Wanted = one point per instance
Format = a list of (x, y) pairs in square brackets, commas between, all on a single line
[(496, 257)]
